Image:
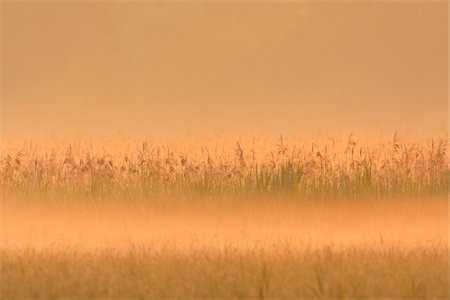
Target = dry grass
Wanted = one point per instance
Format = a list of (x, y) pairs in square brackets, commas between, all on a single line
[(230, 273), (239, 218), (321, 168)]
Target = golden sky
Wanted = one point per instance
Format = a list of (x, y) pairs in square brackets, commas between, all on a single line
[(169, 68)]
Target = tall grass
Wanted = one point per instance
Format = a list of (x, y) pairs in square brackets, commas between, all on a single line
[(304, 169), (238, 249)]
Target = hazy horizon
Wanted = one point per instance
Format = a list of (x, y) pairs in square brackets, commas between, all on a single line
[(162, 69)]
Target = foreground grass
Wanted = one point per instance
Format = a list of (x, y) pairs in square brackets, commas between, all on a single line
[(280, 272)]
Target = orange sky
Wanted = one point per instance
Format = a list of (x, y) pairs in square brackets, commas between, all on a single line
[(169, 68)]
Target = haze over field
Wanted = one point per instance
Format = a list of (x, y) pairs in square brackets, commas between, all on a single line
[(224, 150)]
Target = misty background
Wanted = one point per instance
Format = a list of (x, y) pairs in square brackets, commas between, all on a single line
[(254, 68)]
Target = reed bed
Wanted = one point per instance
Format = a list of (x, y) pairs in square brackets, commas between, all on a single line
[(257, 236), (313, 168)]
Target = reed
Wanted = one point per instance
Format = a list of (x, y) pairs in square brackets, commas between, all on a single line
[(304, 169)]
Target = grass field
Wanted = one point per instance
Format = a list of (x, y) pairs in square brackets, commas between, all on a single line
[(225, 218), (283, 272)]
